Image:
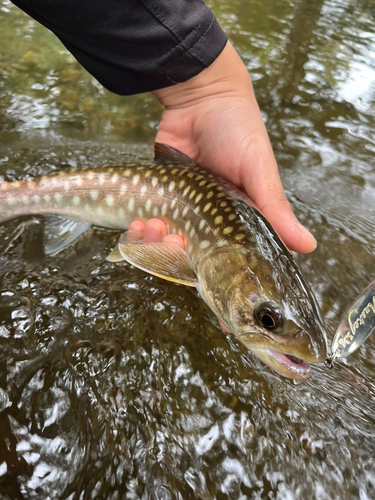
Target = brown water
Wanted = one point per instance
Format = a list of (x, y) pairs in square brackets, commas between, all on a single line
[(118, 385)]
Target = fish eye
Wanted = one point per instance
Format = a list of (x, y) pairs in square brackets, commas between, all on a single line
[(268, 315)]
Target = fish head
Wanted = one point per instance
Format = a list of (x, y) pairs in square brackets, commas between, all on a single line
[(265, 302)]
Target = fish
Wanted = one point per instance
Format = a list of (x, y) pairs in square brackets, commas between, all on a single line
[(232, 256)]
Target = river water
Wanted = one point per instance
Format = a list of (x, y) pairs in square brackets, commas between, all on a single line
[(117, 385)]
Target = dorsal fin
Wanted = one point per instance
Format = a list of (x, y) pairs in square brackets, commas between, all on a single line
[(166, 154)]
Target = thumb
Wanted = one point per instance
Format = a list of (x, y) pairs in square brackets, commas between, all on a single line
[(280, 215)]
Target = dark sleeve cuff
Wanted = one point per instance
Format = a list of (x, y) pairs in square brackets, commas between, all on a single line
[(134, 46)]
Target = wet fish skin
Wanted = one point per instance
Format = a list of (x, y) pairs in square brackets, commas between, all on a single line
[(233, 256)]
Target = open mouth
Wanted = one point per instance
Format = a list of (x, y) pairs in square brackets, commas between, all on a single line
[(285, 364)]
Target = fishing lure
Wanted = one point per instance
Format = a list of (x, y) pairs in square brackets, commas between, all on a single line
[(355, 327)]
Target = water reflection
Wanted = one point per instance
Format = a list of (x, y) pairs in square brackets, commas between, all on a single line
[(116, 385)]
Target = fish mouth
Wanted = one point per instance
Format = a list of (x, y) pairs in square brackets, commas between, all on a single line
[(287, 365)]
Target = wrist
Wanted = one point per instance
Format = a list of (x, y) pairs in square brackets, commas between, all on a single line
[(225, 77)]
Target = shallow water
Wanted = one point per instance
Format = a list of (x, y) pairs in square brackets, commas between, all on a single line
[(117, 385)]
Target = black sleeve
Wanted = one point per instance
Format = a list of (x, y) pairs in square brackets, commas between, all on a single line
[(134, 46)]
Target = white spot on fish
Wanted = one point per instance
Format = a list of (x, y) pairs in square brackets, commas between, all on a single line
[(207, 230), (187, 225), (78, 180), (109, 199), (227, 230), (175, 213), (186, 190), (231, 216), (114, 178), (94, 195), (207, 207), (202, 224), (47, 198), (99, 210), (164, 178), (192, 194), (198, 198), (173, 203), (135, 180), (154, 181), (87, 208), (218, 219), (171, 186), (123, 188), (148, 205), (190, 248), (239, 237), (143, 189), (185, 211), (58, 197), (76, 200), (192, 232), (209, 195), (127, 172), (182, 184), (131, 205), (101, 179), (140, 212), (161, 191), (36, 198), (155, 211), (10, 200), (164, 209), (213, 211), (204, 244)]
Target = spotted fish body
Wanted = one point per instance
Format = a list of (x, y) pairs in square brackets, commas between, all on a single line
[(233, 256)]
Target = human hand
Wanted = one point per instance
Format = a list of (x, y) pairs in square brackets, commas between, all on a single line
[(214, 118)]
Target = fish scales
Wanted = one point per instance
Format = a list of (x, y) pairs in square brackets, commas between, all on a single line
[(233, 256), (189, 199)]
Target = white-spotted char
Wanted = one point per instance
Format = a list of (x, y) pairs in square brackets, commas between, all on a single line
[(233, 256)]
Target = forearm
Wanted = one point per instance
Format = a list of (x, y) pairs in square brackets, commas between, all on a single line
[(134, 46)]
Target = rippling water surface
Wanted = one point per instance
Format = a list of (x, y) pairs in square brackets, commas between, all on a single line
[(117, 385)]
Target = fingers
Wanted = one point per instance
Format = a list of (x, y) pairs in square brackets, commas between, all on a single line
[(295, 236), (174, 238), (153, 231)]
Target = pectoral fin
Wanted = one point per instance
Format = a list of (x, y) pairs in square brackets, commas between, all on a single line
[(129, 237), (115, 256), (165, 260), (59, 233)]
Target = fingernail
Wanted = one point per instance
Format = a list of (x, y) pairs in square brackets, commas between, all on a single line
[(305, 233), (153, 235)]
